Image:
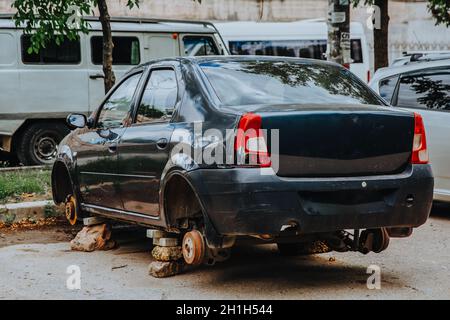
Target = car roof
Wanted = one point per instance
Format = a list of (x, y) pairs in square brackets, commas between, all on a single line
[(201, 59), (237, 58), (400, 69), (129, 24), (243, 58)]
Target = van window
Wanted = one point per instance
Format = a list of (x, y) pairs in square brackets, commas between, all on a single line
[(427, 89), (159, 97), (356, 51), (199, 46), (126, 50), (313, 49), (68, 52)]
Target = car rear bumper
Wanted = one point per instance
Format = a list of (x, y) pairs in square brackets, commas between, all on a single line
[(241, 201)]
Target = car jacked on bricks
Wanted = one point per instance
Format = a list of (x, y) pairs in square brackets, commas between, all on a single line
[(275, 150)]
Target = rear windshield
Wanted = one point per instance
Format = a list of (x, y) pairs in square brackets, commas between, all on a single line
[(239, 83)]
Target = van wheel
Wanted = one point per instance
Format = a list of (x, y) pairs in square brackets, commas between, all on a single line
[(39, 143)]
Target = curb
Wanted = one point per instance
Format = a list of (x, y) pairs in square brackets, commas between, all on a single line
[(14, 212), (12, 169)]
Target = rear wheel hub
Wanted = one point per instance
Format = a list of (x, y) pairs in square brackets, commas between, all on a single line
[(193, 247)]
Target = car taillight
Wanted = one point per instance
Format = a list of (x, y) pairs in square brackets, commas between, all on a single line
[(420, 152), (368, 76), (250, 145)]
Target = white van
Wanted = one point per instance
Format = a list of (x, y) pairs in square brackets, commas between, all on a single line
[(306, 39), (38, 91)]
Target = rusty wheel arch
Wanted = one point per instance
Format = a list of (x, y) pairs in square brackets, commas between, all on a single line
[(180, 200), (193, 208)]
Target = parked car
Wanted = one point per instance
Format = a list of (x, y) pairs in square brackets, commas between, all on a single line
[(342, 159), (304, 39), (423, 86), (38, 91), (420, 56)]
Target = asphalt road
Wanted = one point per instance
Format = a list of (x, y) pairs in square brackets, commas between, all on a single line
[(34, 265)]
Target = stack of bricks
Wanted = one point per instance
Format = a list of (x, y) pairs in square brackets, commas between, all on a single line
[(167, 254), (96, 235)]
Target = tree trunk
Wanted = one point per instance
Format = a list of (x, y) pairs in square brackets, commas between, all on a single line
[(338, 48), (108, 45), (380, 36)]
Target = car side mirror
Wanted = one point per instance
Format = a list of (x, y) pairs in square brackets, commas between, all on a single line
[(76, 120)]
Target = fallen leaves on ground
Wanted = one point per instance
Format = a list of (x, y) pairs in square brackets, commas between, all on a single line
[(315, 247), (30, 224), (28, 195)]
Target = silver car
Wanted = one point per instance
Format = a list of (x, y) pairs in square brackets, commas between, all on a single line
[(423, 86)]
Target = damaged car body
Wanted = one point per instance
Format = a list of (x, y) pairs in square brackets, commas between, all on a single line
[(310, 154)]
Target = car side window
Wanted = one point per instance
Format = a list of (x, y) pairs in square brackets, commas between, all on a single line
[(428, 90), (387, 88), (159, 97), (117, 107)]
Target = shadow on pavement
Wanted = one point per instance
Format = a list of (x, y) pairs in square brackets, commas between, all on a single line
[(261, 266), (440, 209)]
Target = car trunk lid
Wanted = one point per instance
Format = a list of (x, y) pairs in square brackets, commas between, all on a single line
[(339, 140)]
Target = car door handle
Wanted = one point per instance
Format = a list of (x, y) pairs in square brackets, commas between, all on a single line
[(96, 76), (162, 143), (112, 148)]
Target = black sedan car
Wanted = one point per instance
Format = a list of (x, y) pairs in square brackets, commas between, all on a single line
[(214, 150)]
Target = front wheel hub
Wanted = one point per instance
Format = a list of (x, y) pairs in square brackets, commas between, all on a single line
[(71, 210)]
